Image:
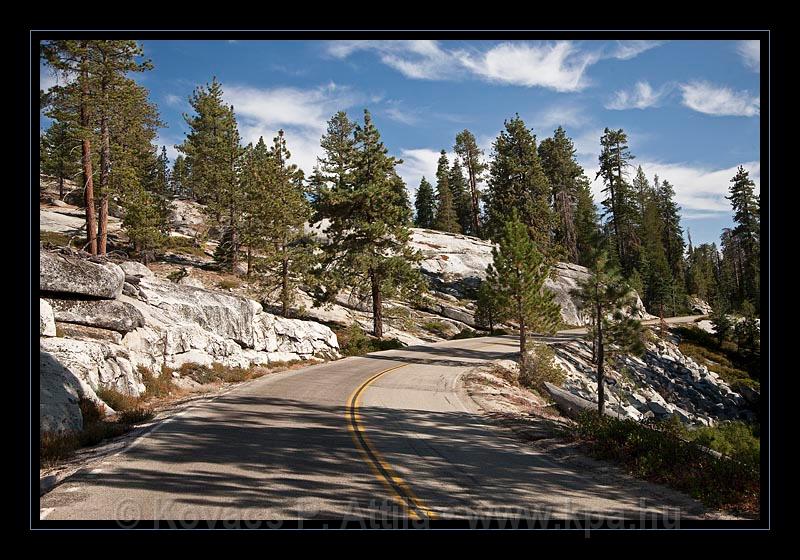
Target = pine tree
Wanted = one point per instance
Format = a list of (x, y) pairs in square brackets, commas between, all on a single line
[(114, 61), (424, 205), (60, 154), (603, 294), (654, 265), (619, 203), (71, 104), (467, 149), (369, 216), (461, 198), (446, 218), (212, 149), (517, 180), (672, 232), (747, 209), (517, 276), (563, 172), (178, 183), (488, 310), (587, 231)]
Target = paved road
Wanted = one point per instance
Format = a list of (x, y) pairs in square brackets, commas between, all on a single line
[(349, 438)]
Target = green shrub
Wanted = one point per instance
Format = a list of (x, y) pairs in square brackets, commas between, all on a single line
[(354, 342), (465, 333), (435, 326), (659, 451), (539, 367), (183, 245), (229, 283)]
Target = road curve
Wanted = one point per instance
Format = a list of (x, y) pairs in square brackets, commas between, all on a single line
[(351, 438)]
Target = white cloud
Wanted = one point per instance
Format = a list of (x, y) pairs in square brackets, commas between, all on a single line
[(419, 163), (625, 50), (404, 116), (423, 59), (559, 66), (710, 99), (750, 51), (174, 100), (566, 115), (641, 97), (700, 190), (301, 113)]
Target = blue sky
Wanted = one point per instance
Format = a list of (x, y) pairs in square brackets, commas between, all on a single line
[(691, 108)]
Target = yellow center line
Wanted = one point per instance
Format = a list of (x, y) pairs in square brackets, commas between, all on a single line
[(400, 491)]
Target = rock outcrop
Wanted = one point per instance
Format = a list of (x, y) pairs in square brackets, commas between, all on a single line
[(63, 274), (103, 342), (662, 383), (59, 391)]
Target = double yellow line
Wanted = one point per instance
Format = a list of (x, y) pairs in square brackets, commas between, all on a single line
[(399, 490)]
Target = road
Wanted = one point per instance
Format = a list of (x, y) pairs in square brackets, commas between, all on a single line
[(350, 438)]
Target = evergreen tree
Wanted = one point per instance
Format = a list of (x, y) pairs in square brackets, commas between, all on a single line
[(446, 218), (71, 104), (587, 232), (747, 233), (291, 258), (369, 216), (461, 198), (424, 205), (517, 276), (619, 203), (517, 180), (603, 294), (178, 183), (488, 310), (564, 173), (654, 266), (672, 232), (467, 149), (337, 167), (60, 154), (212, 149), (721, 321)]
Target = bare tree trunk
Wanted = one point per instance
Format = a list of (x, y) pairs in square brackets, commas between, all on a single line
[(377, 314), (601, 396), (61, 187), (86, 159), (249, 260), (473, 191), (285, 285), (105, 165), (522, 340)]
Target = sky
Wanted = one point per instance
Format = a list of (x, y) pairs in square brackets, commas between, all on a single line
[(690, 108)]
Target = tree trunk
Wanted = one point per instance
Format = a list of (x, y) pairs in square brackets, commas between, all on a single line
[(522, 340), (102, 225), (249, 260), (285, 286), (105, 166), (86, 159), (377, 314), (61, 187), (601, 396), (473, 191)]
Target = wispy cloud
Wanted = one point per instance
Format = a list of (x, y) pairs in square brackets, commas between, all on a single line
[(711, 99), (750, 51), (301, 113), (559, 65), (561, 114), (641, 96), (625, 50), (403, 115), (174, 100)]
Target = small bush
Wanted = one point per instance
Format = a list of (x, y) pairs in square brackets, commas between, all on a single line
[(59, 239), (229, 283), (184, 245), (156, 386), (135, 416), (96, 432), (90, 410), (465, 333), (539, 367), (435, 326), (116, 400), (354, 342), (55, 448)]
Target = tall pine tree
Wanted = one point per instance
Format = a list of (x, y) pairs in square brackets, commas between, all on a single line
[(424, 204), (446, 218), (466, 148)]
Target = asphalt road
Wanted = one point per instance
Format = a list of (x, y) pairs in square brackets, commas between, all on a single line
[(390, 433)]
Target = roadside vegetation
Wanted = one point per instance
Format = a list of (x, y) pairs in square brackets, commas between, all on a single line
[(353, 341), (668, 453), (738, 365)]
